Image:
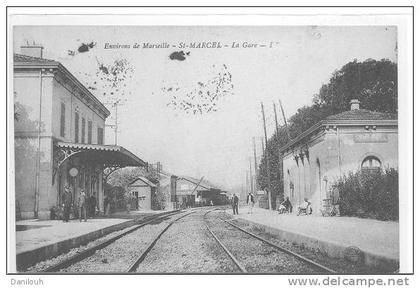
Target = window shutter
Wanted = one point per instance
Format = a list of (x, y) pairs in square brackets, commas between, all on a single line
[(63, 120), (89, 140), (76, 127), (82, 138), (100, 136)]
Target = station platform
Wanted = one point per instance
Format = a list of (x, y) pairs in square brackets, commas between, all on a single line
[(377, 242), (37, 240)]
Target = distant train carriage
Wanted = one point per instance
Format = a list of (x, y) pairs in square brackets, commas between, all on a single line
[(215, 196)]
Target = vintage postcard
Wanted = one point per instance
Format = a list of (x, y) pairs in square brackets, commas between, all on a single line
[(210, 144)]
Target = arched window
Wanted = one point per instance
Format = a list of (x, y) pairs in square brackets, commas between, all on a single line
[(371, 164)]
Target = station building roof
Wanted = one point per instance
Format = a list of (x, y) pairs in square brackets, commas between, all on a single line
[(362, 114), (21, 61), (358, 117), (144, 180)]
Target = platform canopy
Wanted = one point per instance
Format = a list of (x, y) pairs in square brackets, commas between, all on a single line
[(106, 155)]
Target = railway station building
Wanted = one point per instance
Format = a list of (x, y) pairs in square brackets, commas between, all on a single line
[(58, 137), (353, 140)]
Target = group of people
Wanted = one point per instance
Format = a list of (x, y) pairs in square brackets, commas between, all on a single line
[(86, 205), (286, 207), (250, 201)]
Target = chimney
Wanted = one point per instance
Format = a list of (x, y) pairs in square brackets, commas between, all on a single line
[(354, 104), (34, 50)]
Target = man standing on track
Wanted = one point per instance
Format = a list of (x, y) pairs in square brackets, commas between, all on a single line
[(235, 201)]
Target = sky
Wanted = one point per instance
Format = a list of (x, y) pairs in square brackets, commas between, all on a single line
[(196, 111)]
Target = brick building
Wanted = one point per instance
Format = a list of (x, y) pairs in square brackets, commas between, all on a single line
[(58, 133), (357, 139)]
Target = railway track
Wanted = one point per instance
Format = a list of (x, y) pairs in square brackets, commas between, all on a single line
[(67, 262), (259, 255), (133, 267), (205, 261), (242, 267)]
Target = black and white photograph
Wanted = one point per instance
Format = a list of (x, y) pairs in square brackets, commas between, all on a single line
[(222, 147)]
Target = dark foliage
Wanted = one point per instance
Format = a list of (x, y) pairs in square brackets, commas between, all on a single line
[(369, 195), (159, 200), (26, 148)]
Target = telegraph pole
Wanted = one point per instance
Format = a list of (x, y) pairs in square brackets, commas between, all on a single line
[(159, 169), (250, 176), (267, 159), (115, 104), (279, 146), (262, 147), (116, 121), (285, 121), (246, 183), (255, 165)]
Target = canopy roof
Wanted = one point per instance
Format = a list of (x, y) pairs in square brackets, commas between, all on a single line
[(111, 155)]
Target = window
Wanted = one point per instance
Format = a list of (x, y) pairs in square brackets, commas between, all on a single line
[(76, 127), (63, 120), (82, 138), (89, 139), (371, 164), (100, 136)]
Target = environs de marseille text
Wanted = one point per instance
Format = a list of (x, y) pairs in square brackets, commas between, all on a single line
[(191, 45)]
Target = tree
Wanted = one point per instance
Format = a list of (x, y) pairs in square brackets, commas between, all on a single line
[(124, 176), (26, 151), (159, 200), (373, 82)]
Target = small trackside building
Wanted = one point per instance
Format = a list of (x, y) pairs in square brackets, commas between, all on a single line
[(354, 140), (142, 190)]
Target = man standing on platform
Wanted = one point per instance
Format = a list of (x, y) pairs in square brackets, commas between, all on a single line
[(67, 200), (235, 202), (92, 205), (82, 205), (250, 201)]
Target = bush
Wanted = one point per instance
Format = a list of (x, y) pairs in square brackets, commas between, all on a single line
[(369, 195), (159, 200)]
